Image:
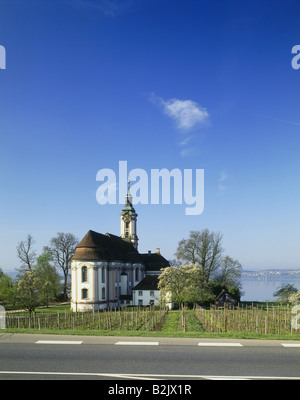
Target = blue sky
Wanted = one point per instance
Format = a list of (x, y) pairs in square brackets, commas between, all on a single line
[(186, 84)]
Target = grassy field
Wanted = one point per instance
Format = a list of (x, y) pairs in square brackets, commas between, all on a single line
[(251, 321)]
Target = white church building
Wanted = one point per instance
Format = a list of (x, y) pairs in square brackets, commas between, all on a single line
[(108, 271)]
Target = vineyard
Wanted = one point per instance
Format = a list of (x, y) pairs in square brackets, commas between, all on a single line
[(117, 319), (251, 319)]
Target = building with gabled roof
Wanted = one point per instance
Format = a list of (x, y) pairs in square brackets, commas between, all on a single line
[(154, 262), (224, 299), (146, 292), (105, 268)]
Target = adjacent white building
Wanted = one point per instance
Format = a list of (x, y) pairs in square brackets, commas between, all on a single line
[(106, 270), (146, 292)]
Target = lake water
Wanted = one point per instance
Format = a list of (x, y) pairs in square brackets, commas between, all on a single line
[(262, 290)]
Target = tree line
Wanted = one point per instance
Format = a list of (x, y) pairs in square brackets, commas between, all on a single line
[(198, 274), (41, 279)]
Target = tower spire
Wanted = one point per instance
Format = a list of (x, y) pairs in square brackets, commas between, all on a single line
[(128, 196), (129, 219)]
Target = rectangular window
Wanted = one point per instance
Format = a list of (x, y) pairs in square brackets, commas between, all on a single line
[(151, 293), (103, 274), (84, 294), (140, 293)]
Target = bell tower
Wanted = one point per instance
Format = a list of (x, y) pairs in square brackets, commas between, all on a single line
[(128, 220)]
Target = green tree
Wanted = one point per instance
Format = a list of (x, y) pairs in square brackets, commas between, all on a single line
[(7, 289), (27, 292), (207, 294), (49, 280), (284, 292)]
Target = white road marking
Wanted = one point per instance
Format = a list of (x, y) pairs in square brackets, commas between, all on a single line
[(290, 344), (218, 344), (137, 343), (73, 374), (228, 378), (58, 342), (148, 376)]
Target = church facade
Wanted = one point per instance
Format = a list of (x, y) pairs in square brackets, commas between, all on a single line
[(106, 269)]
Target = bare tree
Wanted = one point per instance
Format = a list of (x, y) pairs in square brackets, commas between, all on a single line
[(230, 272), (26, 253), (62, 248), (203, 248)]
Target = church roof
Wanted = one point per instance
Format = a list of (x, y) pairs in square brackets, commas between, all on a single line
[(108, 247), (154, 262), (150, 282)]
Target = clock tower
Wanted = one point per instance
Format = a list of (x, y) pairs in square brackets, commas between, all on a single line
[(128, 220)]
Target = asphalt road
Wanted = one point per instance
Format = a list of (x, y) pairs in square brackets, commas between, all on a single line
[(115, 358)]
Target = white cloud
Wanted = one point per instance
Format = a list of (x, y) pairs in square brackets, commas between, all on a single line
[(109, 8), (187, 152), (186, 141), (279, 120), (186, 113)]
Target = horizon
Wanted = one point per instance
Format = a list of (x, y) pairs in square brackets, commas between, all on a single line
[(15, 271), (185, 85)]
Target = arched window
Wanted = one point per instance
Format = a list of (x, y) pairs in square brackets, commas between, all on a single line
[(84, 294), (127, 228), (84, 274)]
